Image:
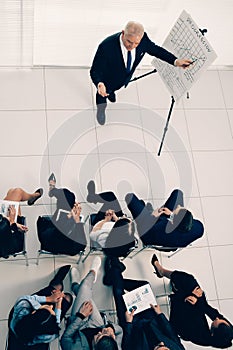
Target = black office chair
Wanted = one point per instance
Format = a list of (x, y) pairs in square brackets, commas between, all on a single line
[(173, 250)]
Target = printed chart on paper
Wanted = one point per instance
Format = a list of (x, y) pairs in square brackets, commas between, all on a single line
[(185, 41)]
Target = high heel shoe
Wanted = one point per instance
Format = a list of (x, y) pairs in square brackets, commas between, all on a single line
[(52, 178), (32, 200), (153, 259)]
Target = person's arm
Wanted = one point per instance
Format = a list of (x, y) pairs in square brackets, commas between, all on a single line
[(98, 66), (159, 211), (58, 305), (77, 234), (208, 310), (165, 326), (98, 225), (76, 323), (23, 306), (109, 216), (14, 226), (127, 331), (163, 54)]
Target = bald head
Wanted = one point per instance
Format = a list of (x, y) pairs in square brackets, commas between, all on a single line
[(132, 35)]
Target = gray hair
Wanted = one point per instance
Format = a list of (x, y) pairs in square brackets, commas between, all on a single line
[(134, 29)]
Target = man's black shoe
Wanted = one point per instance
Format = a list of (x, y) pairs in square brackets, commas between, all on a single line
[(100, 115), (112, 97)]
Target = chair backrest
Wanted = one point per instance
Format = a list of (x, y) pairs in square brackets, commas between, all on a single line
[(92, 220)]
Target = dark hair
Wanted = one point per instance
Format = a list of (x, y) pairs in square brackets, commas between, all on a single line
[(222, 336), (120, 240), (183, 220), (106, 343), (69, 198), (37, 323), (125, 222)]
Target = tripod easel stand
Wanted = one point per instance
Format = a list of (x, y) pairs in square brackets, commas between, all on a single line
[(169, 113)]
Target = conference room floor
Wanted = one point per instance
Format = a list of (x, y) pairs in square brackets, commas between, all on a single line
[(53, 108)]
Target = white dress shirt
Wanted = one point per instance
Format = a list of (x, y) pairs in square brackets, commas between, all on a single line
[(125, 53)]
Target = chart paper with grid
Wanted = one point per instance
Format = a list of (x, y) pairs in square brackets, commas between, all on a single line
[(185, 41)]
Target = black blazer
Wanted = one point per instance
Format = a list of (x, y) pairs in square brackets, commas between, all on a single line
[(109, 67), (146, 333)]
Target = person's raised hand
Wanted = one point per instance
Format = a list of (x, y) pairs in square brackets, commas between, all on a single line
[(197, 292), (86, 309), (109, 215), (129, 316), (191, 300), (165, 211), (183, 63), (76, 212), (22, 227), (156, 309), (102, 90), (11, 213), (55, 296)]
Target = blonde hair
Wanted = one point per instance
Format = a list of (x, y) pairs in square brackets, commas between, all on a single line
[(134, 29)]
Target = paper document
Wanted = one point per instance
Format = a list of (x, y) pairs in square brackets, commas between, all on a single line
[(185, 41), (139, 299), (63, 214), (4, 207)]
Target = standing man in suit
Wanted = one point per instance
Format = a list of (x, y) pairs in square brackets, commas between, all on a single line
[(117, 58)]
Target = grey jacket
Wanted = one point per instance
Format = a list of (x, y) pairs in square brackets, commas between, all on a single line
[(74, 339)]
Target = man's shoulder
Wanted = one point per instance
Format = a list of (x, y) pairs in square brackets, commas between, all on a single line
[(111, 39), (145, 40)]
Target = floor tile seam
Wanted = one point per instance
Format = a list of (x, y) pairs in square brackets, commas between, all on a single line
[(223, 95)]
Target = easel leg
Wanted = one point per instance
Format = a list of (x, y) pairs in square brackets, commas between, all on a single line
[(166, 126)]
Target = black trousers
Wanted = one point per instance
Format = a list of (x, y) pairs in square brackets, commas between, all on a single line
[(109, 201), (119, 285)]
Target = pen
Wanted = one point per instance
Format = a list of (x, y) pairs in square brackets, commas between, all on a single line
[(193, 61)]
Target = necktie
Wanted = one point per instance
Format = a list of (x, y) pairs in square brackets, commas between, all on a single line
[(129, 60)]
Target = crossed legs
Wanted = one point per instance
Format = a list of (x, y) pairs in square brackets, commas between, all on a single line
[(84, 292), (19, 195)]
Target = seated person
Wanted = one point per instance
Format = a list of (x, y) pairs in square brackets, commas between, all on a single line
[(64, 233), (189, 308), (147, 330), (112, 231), (12, 228), (34, 320), (86, 329), (169, 226)]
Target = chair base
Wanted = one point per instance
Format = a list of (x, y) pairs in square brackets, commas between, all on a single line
[(45, 252)]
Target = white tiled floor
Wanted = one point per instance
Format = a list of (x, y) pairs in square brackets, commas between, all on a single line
[(48, 124)]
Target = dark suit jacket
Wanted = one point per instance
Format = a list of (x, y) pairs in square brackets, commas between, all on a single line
[(190, 322), (108, 65), (11, 238), (65, 238), (163, 233), (146, 333)]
